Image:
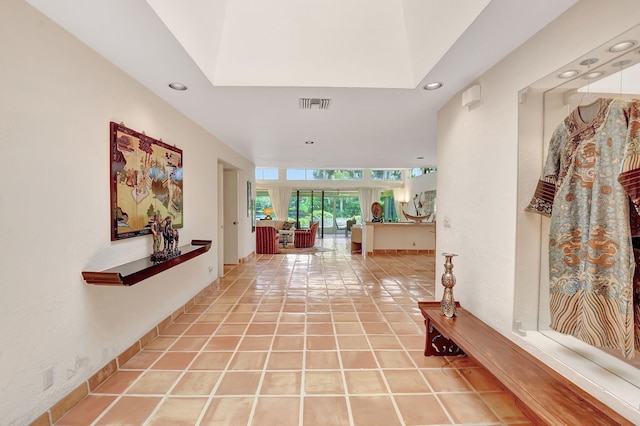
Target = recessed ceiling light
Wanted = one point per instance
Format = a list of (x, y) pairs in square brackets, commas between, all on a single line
[(592, 75), (568, 74), (622, 46), (420, 158), (433, 86), (177, 86), (309, 142)]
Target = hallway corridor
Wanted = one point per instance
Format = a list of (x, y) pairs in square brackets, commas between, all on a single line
[(322, 339)]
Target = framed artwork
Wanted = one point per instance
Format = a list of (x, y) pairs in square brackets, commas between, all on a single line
[(146, 180)]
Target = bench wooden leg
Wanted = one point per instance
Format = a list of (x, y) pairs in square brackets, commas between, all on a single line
[(439, 345)]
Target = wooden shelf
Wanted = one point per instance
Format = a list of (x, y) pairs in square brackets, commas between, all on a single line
[(141, 269)]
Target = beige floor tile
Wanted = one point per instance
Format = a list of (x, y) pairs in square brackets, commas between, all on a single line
[(196, 383), (266, 317), (323, 382), (292, 317), (211, 361), (281, 383), (214, 318), (321, 343), (318, 316), (290, 329), (176, 411), (142, 360), (320, 328), (130, 410), (428, 361), (248, 361), (445, 380), (353, 342), (288, 343), (239, 318), (174, 330), (369, 317), (374, 410), (277, 411), (393, 359), (231, 329), (325, 411), (86, 411), (160, 343), (263, 329), (189, 343), (187, 318), (200, 329), (118, 382), (413, 342), (239, 383), (349, 328), (406, 381), (385, 342), (228, 411), (222, 343), (322, 360), (174, 361), (365, 382), (255, 343), (285, 361), (154, 383), (467, 408), (358, 359), (421, 410)]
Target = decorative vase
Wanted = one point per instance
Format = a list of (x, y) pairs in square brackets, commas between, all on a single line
[(448, 304)]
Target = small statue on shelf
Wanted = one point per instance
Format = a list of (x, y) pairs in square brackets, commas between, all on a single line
[(163, 231)]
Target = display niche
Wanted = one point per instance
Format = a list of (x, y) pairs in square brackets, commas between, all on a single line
[(609, 71)]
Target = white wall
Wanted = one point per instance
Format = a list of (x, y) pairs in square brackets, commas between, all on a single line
[(478, 168), (477, 154), (55, 108)]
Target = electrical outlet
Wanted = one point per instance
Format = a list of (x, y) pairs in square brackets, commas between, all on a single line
[(47, 378)]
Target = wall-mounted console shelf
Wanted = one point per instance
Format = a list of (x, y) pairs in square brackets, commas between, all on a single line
[(138, 270)]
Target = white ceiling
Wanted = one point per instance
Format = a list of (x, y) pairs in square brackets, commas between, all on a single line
[(247, 62)]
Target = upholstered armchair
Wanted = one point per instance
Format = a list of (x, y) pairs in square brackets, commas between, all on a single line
[(267, 240), (306, 237)]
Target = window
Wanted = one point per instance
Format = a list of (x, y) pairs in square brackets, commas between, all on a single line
[(322, 174), (395, 175), (262, 202), (266, 174), (415, 172)]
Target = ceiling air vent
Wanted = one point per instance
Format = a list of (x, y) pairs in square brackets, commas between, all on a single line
[(308, 103)]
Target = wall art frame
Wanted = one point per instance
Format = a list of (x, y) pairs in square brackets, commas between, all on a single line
[(146, 180)]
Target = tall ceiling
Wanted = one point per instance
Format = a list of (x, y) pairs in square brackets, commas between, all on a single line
[(247, 63)]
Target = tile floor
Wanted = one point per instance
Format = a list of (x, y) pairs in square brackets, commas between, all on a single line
[(321, 339)]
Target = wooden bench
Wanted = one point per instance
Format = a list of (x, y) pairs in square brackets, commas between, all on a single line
[(543, 395)]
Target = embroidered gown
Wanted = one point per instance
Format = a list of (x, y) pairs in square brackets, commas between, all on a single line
[(591, 189)]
